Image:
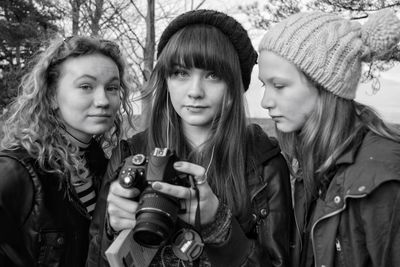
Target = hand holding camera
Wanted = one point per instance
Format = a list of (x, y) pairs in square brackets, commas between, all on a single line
[(122, 207), (208, 201), (156, 212), (149, 195), (164, 176)]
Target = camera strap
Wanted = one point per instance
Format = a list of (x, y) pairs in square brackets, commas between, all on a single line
[(187, 243), (197, 224)]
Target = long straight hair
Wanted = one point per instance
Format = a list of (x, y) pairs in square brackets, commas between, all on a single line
[(205, 47), (335, 126)]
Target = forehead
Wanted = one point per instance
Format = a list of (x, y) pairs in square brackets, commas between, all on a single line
[(96, 65), (271, 64), (200, 46)]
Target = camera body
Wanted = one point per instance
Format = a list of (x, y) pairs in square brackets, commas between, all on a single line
[(157, 213)]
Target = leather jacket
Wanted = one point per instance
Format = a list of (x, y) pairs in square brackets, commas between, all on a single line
[(42, 221), (262, 240), (357, 222)]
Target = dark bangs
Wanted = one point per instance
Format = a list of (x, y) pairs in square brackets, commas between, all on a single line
[(203, 47)]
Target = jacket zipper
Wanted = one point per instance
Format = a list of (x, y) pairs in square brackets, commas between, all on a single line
[(298, 231), (258, 191), (327, 216), (338, 245), (339, 257), (251, 201)]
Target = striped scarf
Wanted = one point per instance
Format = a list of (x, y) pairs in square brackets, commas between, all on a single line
[(87, 195)]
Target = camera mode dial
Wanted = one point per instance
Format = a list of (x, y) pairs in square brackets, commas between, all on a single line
[(133, 171)]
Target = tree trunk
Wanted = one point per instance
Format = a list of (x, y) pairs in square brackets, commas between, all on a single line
[(150, 40), (148, 58), (76, 6), (98, 12)]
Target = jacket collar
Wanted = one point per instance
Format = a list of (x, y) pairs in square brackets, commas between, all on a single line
[(374, 161), (350, 155), (261, 146)]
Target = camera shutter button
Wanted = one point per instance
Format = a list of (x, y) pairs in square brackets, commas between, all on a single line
[(127, 180)]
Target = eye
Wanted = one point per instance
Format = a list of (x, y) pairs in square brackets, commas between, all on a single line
[(279, 85), (85, 86), (213, 76), (180, 73), (113, 87)]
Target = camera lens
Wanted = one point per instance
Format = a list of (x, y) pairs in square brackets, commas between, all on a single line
[(155, 218)]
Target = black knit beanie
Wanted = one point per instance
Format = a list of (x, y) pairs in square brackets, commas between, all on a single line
[(226, 24)]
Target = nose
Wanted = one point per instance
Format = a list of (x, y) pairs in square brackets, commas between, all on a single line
[(196, 89), (100, 97), (268, 100)]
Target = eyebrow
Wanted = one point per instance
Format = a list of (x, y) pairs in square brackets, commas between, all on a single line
[(274, 78), (178, 65), (94, 78)]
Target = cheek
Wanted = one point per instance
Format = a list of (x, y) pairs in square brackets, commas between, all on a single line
[(115, 102), (218, 95), (174, 97), (310, 102), (67, 104), (303, 108)]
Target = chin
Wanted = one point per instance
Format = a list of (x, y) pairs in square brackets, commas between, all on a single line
[(286, 128), (97, 130)]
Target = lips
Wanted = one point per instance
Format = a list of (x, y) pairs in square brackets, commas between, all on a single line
[(195, 108), (275, 117), (101, 115)]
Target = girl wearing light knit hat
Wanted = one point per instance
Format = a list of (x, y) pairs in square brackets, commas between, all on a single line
[(346, 160)]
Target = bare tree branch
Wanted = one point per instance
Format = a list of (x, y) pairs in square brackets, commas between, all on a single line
[(200, 4)]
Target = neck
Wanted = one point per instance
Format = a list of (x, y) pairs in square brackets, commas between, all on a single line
[(196, 136), (75, 140)]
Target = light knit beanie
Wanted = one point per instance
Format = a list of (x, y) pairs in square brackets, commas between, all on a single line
[(330, 49)]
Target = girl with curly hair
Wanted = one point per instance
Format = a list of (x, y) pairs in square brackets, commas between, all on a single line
[(52, 155)]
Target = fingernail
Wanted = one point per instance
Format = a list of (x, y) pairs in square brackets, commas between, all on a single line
[(178, 164), (156, 186)]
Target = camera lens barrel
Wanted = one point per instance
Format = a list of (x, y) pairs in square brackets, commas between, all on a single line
[(155, 218)]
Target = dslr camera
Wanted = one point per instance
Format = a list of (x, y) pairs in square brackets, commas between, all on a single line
[(157, 213)]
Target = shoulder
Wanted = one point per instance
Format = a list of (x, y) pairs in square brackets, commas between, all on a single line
[(377, 162), (264, 154), (381, 148), (12, 173), (15, 180), (138, 142), (261, 146)]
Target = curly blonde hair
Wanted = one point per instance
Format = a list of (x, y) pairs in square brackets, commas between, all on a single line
[(32, 124)]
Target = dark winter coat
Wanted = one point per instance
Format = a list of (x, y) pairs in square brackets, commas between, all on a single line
[(42, 221), (357, 223), (262, 239)]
